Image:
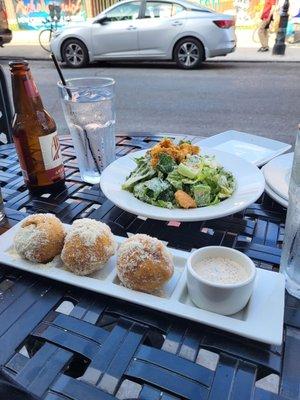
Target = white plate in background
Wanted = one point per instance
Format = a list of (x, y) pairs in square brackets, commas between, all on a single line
[(278, 173), (250, 184), (255, 149), (275, 196), (261, 319)]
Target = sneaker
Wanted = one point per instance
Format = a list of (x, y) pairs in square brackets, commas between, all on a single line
[(264, 49)]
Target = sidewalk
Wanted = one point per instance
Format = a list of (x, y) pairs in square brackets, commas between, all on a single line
[(246, 50), (25, 45), (250, 54)]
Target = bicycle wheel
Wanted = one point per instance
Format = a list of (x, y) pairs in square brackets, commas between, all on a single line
[(45, 39), (255, 36)]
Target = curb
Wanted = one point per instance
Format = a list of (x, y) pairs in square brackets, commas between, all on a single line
[(211, 61), (6, 58), (256, 61)]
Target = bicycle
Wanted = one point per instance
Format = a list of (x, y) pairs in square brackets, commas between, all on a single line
[(45, 35)]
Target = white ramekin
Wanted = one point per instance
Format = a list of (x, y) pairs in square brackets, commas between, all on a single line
[(220, 298)]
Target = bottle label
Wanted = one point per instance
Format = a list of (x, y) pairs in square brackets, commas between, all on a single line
[(51, 151)]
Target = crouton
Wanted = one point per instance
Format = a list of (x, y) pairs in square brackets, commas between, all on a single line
[(177, 152), (184, 199)]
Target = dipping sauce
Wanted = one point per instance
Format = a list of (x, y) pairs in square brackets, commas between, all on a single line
[(221, 270)]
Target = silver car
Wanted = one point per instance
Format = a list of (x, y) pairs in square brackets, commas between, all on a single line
[(148, 30)]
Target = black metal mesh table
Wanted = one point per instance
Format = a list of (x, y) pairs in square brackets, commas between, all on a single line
[(59, 342)]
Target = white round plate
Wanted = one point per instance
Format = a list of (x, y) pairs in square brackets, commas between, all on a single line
[(250, 185), (278, 173), (274, 195)]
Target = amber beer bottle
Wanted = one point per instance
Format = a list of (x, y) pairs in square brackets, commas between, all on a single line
[(34, 133)]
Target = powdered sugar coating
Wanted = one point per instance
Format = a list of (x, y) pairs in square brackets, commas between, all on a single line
[(88, 246), (144, 263), (40, 238)]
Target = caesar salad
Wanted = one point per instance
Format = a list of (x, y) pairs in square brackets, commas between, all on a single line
[(177, 176)]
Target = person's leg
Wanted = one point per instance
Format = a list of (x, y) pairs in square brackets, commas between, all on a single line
[(57, 12), (51, 11), (263, 34)]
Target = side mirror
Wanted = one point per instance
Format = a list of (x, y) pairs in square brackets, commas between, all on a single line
[(103, 20)]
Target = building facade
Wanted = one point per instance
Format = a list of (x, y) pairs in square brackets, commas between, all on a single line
[(30, 14)]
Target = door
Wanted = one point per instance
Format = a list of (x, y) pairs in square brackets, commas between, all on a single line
[(159, 25), (116, 36)]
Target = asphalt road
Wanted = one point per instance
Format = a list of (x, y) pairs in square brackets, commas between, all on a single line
[(259, 98)]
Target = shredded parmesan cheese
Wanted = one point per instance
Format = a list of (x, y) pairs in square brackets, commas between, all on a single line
[(144, 263), (88, 230), (88, 246), (37, 235)]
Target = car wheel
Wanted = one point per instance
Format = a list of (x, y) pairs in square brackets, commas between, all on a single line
[(188, 53), (75, 53)]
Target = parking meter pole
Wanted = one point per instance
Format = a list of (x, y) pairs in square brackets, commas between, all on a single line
[(279, 46)]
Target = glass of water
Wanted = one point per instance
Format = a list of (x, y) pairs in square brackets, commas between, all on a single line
[(290, 259), (89, 109), (2, 215)]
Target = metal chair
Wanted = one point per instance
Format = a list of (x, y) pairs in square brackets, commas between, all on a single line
[(5, 111)]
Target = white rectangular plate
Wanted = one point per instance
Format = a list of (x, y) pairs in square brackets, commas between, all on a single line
[(261, 319), (256, 149)]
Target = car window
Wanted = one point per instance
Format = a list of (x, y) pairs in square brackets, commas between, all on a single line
[(124, 12), (177, 8), (156, 9)]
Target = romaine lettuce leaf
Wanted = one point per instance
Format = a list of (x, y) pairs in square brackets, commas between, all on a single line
[(201, 194), (165, 164), (152, 190), (142, 172), (175, 179)]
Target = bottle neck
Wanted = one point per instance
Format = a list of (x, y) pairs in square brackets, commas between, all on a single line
[(25, 93)]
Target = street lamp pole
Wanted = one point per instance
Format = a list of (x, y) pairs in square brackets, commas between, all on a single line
[(279, 46)]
